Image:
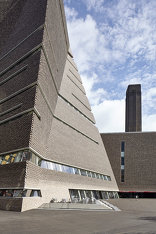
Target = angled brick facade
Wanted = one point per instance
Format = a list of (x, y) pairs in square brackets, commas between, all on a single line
[(45, 116)]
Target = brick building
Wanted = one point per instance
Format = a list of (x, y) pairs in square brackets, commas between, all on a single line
[(132, 154), (50, 147)]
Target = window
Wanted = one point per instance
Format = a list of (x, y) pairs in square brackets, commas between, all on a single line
[(43, 163), (82, 193), (122, 146), (83, 172), (122, 176), (122, 161), (93, 175), (89, 174), (109, 178), (77, 171), (111, 195), (104, 195), (50, 165), (88, 194), (35, 193), (74, 194), (20, 193)]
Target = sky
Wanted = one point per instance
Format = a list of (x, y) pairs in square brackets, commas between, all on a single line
[(114, 45)]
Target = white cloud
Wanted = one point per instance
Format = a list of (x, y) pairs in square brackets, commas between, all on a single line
[(97, 5), (110, 115), (67, 1), (71, 13), (126, 37), (88, 43), (95, 96), (149, 123)]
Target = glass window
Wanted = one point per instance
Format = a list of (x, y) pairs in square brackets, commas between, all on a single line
[(61, 167), (123, 154), (18, 157), (24, 156), (35, 193), (77, 171), (70, 170), (105, 177), (74, 194), (82, 193), (111, 195), (122, 146), (44, 164), (101, 177), (73, 170), (57, 167), (116, 195), (104, 195), (53, 166), (18, 193), (7, 158), (122, 176), (89, 174), (9, 193), (88, 194), (28, 193), (64, 168), (109, 178), (93, 175), (83, 172), (3, 160), (97, 176), (39, 162), (24, 192), (49, 165), (122, 161)]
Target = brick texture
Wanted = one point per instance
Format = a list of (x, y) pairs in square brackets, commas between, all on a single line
[(140, 160)]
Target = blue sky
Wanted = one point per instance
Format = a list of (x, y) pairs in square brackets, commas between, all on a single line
[(114, 45)]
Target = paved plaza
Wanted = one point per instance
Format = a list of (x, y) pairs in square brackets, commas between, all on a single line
[(137, 216)]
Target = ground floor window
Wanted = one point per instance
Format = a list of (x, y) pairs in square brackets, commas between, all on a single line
[(80, 195)]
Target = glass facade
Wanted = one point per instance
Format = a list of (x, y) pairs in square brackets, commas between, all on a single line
[(20, 193), (15, 157), (30, 156), (81, 195)]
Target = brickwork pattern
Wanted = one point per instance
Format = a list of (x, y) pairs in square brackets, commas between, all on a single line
[(12, 175), (34, 70), (140, 160)]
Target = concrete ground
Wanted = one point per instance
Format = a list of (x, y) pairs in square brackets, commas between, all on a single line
[(137, 216)]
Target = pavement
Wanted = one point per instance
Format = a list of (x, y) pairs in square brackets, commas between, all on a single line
[(131, 220)]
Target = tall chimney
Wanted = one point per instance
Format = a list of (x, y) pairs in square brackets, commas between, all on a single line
[(133, 109)]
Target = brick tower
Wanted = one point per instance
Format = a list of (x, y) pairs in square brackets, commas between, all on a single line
[(133, 109)]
